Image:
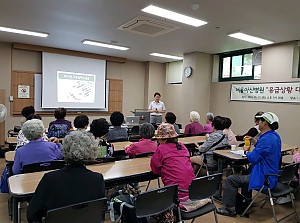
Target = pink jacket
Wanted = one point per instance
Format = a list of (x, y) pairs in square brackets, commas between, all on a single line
[(174, 166), (142, 146), (296, 159), (231, 137)]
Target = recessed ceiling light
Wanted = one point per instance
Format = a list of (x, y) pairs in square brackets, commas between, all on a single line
[(166, 56), (173, 16), (24, 32), (249, 38), (106, 45)]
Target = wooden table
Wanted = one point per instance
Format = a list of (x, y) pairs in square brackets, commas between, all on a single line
[(10, 156), (114, 173), (120, 145), (192, 139), (11, 140)]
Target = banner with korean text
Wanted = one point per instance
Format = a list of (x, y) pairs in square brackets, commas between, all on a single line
[(266, 92)]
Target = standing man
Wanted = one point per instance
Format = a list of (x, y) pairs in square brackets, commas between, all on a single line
[(156, 108), (264, 159)]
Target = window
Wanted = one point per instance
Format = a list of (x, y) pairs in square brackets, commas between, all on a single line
[(240, 65)]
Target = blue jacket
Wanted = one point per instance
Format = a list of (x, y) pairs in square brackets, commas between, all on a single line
[(265, 159)]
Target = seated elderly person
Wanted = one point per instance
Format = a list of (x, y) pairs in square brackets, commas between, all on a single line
[(99, 128), (37, 150), (194, 128), (171, 119), (145, 144), (117, 132), (208, 128), (81, 122), (72, 184), (22, 140)]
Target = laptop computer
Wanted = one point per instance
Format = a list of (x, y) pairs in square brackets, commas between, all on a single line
[(133, 120)]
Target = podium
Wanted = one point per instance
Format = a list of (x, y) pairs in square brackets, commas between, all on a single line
[(143, 114)]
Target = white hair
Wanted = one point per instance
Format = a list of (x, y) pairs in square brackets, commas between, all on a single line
[(33, 129), (194, 116)]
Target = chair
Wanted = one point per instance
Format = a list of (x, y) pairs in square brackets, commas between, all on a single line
[(282, 189), (89, 211), (205, 161), (44, 166), (156, 201), (200, 188), (135, 130), (146, 155)]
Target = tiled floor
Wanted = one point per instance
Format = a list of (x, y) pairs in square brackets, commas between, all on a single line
[(257, 215)]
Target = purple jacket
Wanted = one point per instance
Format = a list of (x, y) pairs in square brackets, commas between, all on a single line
[(35, 152), (193, 128), (174, 166)]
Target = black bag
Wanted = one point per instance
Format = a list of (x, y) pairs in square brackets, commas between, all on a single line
[(241, 204)]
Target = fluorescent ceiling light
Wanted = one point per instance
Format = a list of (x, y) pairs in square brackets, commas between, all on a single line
[(24, 32), (173, 16), (94, 43), (249, 38), (166, 56)]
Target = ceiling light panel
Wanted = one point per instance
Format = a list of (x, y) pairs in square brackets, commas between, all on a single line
[(106, 45), (166, 56), (248, 38), (173, 16), (24, 32)]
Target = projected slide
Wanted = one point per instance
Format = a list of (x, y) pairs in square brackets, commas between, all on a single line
[(75, 87)]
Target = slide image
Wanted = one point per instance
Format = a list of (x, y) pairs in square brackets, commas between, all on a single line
[(75, 87)]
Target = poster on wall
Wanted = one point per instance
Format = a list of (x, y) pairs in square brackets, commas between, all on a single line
[(288, 92), (23, 91)]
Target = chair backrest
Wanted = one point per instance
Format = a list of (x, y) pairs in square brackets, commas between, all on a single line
[(156, 201), (288, 173), (44, 166), (144, 154), (89, 211), (135, 130), (204, 187)]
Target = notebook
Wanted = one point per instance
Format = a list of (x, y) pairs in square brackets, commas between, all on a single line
[(133, 120)]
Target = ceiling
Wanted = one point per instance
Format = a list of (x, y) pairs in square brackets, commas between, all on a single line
[(68, 22)]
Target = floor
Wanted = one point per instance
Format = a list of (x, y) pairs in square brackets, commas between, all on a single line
[(257, 215)]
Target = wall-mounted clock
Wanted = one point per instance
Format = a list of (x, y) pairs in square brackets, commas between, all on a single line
[(187, 71)]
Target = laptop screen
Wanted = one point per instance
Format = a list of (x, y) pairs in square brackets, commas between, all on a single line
[(132, 120)]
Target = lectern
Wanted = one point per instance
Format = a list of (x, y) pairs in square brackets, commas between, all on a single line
[(143, 114)]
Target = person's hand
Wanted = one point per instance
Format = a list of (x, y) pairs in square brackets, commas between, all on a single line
[(207, 136), (53, 139), (247, 137), (295, 151), (246, 148)]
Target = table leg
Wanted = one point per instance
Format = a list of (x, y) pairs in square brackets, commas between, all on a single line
[(218, 195), (15, 209)]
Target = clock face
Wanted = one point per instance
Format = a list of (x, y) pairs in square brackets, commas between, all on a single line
[(187, 71)]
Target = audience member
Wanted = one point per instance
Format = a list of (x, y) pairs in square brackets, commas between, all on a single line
[(253, 132), (296, 159), (171, 160), (171, 118), (145, 144), (26, 111), (194, 128), (81, 122), (209, 119), (228, 131), (99, 128), (117, 132), (37, 150), (215, 140), (60, 127), (72, 184), (264, 159), (21, 139)]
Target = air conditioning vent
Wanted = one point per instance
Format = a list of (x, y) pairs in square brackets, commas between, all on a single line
[(148, 26)]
